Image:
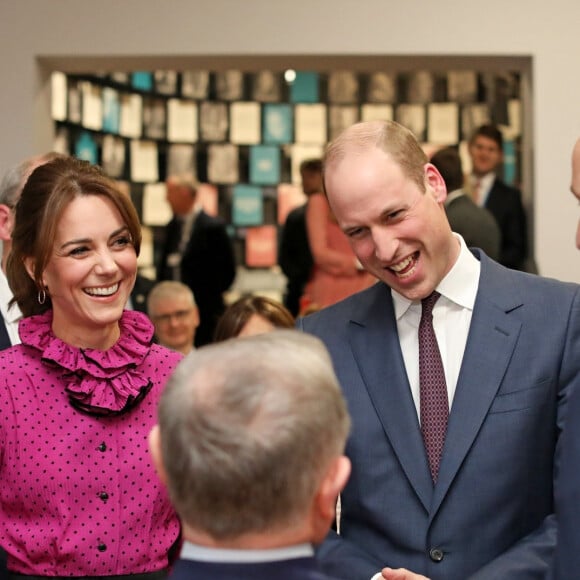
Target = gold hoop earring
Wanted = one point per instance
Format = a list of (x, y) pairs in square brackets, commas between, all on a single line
[(41, 296)]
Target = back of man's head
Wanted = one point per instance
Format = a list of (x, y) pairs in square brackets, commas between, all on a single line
[(249, 428), (448, 163)]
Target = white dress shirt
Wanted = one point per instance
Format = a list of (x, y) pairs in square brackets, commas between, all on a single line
[(198, 553), (485, 185), (11, 316), (451, 321)]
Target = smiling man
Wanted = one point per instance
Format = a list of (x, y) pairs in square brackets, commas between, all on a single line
[(456, 402), (172, 310), (502, 200)]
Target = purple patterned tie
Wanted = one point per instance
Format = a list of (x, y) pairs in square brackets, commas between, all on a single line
[(434, 407)]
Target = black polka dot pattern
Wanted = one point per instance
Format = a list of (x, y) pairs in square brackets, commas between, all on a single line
[(79, 495)]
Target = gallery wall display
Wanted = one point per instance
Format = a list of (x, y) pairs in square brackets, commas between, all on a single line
[(244, 134)]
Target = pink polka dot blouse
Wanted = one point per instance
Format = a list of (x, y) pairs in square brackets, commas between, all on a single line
[(78, 494)]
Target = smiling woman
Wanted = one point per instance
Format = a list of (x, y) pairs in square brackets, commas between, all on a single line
[(89, 378)]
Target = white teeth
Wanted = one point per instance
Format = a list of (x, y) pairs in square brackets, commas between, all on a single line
[(402, 265), (102, 291)]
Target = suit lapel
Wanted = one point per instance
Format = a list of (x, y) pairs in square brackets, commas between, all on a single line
[(492, 338), (386, 381)]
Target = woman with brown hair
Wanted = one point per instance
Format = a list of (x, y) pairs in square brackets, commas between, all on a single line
[(79, 496), (252, 315)]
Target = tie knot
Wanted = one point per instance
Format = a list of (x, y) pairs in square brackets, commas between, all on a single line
[(428, 303)]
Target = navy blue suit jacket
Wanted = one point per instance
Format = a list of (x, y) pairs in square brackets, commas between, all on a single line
[(295, 569), (567, 562), (505, 203), (207, 267), (490, 514)]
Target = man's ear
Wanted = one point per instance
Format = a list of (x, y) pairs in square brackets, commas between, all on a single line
[(434, 180), (6, 222), (155, 449), (332, 484)]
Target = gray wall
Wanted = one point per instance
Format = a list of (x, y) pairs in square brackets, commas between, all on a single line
[(37, 36)]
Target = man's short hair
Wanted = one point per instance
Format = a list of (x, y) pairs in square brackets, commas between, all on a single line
[(388, 136), (248, 428), (167, 289), (311, 165), (448, 163), (186, 180), (491, 132), (15, 178)]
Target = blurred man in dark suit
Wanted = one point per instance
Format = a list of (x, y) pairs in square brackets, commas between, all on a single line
[(198, 252), (502, 200), (476, 225)]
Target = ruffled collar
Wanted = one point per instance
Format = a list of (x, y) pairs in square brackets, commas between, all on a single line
[(98, 382)]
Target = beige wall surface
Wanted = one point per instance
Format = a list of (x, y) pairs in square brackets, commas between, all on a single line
[(37, 36)]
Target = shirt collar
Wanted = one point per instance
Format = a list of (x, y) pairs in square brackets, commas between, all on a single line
[(199, 553), (453, 195), (12, 314), (459, 285), (485, 181)]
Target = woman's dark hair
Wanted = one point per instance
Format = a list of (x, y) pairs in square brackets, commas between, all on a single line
[(48, 191), (237, 315)]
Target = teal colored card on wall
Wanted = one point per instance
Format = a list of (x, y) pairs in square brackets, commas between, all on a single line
[(142, 81), (304, 89), (277, 124), (248, 206), (86, 148), (111, 110), (509, 162), (265, 164)]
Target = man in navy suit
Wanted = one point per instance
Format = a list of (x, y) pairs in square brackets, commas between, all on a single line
[(567, 561), (502, 200), (509, 344), (250, 443)]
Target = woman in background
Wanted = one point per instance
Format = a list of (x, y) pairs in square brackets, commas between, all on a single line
[(252, 315), (78, 397), (336, 273)]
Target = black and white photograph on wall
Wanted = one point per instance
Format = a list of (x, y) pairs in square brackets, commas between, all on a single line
[(195, 84), (74, 102), (61, 141), (341, 117), (499, 89), (58, 90), (181, 160), (222, 164), (473, 116), (120, 77), (343, 87), (420, 87), (229, 85), (382, 88), (154, 118), (462, 86), (414, 118), (113, 156), (165, 82), (266, 87), (214, 122)]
